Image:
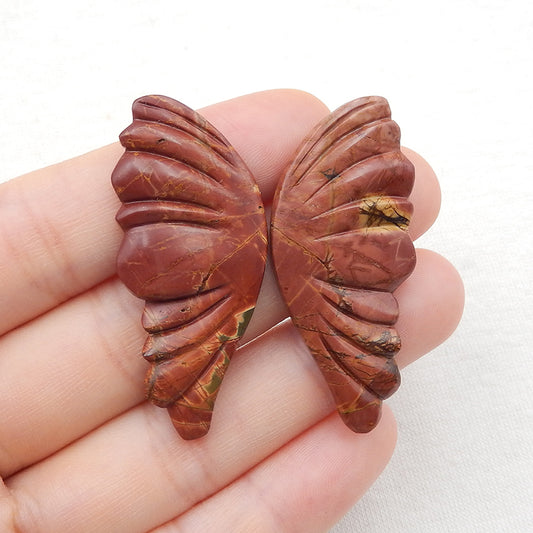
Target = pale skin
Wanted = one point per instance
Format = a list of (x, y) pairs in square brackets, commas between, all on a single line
[(80, 449)]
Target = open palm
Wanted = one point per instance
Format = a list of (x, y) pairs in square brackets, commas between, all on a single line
[(80, 449)]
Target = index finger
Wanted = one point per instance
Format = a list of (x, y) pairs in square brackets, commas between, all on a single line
[(62, 237)]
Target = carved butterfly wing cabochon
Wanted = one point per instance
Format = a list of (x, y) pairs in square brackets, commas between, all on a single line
[(340, 247), (194, 249)]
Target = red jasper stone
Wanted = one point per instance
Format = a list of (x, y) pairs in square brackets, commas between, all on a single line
[(340, 247), (194, 248)]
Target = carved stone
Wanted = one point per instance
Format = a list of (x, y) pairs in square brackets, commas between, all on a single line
[(194, 248), (340, 248)]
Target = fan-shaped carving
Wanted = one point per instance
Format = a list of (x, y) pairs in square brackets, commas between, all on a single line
[(194, 248), (340, 248)]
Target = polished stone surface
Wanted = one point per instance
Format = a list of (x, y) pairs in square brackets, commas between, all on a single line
[(340, 247), (194, 248)]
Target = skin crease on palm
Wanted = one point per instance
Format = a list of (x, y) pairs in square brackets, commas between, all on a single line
[(80, 451)]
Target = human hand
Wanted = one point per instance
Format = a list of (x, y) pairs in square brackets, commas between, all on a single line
[(79, 448)]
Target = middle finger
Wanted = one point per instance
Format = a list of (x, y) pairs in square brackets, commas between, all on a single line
[(63, 398), (273, 392)]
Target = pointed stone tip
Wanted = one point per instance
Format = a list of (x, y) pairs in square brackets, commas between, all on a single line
[(190, 431), (190, 423), (363, 420)]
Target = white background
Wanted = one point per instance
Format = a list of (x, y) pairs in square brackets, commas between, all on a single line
[(458, 75)]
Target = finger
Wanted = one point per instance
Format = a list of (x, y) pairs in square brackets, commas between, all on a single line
[(62, 398), (151, 475), (305, 486), (272, 393), (63, 237), (267, 131), (426, 199), (431, 304), (426, 196), (69, 371)]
